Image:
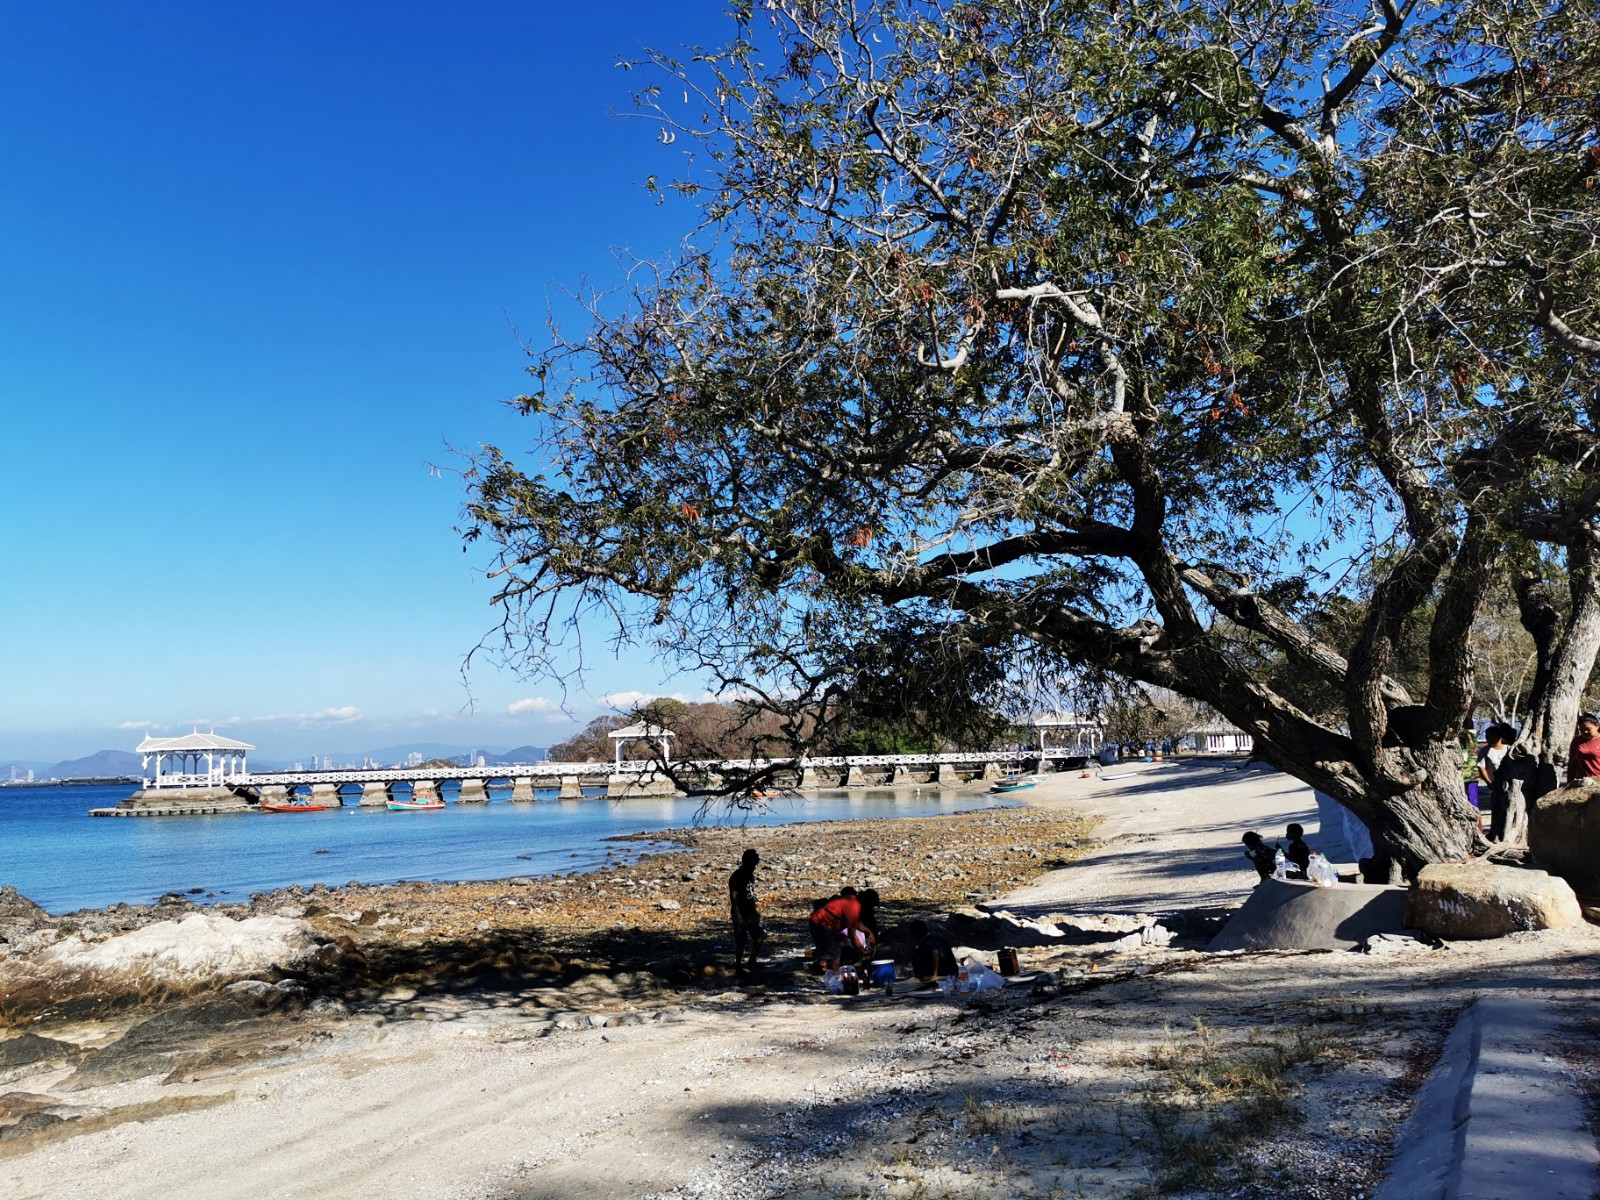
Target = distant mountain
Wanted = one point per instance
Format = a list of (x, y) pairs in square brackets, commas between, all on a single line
[(522, 754), (96, 766)]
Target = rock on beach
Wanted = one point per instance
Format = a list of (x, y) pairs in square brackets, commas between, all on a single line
[(1480, 900)]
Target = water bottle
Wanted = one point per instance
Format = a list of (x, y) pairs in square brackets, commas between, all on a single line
[(1280, 860)]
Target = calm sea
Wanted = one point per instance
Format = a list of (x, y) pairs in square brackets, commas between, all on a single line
[(58, 856)]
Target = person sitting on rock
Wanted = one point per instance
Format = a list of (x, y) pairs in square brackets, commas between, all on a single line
[(742, 909), (832, 924), (1298, 852), (1583, 758), (1260, 854), (932, 956)]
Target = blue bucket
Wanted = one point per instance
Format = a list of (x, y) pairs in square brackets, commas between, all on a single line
[(881, 973)]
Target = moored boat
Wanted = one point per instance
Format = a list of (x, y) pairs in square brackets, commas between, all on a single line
[(414, 805), (292, 807), (1012, 783)]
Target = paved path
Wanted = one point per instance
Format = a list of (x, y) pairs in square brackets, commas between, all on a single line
[(1502, 1116)]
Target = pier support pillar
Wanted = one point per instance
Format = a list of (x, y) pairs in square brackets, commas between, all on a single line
[(808, 778), (374, 795), (274, 793), (902, 777), (991, 770), (948, 775), (473, 791), (571, 789), (326, 794), (522, 791), (855, 778), (645, 783), (425, 789)]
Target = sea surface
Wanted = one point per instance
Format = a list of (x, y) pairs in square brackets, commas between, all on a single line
[(58, 856)]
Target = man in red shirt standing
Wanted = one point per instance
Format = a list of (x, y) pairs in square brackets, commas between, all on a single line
[(831, 924)]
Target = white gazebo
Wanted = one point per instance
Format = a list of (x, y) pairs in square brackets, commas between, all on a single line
[(179, 763), (1067, 731), (643, 731)]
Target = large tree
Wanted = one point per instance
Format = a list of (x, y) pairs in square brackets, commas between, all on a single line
[(1119, 338)]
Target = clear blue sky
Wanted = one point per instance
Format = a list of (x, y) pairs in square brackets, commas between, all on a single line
[(261, 264)]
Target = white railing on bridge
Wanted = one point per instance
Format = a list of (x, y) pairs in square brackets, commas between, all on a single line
[(558, 770)]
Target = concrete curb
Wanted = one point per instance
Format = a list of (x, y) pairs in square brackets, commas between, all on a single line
[(1498, 1118)]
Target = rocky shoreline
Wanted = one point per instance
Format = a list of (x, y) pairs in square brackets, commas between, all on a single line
[(662, 918)]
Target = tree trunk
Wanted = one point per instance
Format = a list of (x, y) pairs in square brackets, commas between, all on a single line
[(1566, 650)]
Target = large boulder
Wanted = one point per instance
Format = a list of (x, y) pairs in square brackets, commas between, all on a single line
[(1291, 914), (1564, 834), (1478, 900)]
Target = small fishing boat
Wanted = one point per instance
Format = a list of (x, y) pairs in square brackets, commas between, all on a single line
[(291, 806), (1012, 783), (414, 805)]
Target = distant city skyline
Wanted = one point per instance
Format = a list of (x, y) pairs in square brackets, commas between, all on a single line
[(263, 275)]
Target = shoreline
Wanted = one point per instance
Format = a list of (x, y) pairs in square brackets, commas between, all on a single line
[(660, 912), (587, 1036)]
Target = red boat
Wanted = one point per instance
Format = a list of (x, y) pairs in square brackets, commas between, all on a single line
[(292, 807)]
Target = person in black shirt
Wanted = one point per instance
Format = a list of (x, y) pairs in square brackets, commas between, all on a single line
[(931, 955), (1259, 853), (1298, 852), (742, 908)]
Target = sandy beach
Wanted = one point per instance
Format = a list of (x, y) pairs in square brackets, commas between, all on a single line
[(585, 1036)]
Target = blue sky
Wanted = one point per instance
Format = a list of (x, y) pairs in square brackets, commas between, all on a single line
[(262, 265)]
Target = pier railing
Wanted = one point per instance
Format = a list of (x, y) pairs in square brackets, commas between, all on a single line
[(556, 771)]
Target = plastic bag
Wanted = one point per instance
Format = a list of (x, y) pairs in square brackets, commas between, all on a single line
[(842, 982), (975, 977), (1322, 872), (1280, 864)]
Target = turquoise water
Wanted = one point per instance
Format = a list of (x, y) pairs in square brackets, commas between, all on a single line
[(59, 857)]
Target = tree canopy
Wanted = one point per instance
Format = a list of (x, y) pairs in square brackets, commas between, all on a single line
[(1019, 338)]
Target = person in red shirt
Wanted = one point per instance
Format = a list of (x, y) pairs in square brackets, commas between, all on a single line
[(1583, 759), (831, 923)]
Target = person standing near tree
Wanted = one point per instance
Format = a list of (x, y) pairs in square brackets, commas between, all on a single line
[(1493, 771), (742, 910)]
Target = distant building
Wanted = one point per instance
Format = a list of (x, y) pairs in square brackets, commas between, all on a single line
[(1218, 737)]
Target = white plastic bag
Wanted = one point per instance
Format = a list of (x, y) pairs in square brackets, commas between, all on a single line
[(1322, 872), (834, 982), (975, 977)]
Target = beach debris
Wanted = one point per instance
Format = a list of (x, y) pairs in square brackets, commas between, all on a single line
[(1150, 935)]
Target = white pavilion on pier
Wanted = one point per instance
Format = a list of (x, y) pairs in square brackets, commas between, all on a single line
[(644, 731), (195, 760)]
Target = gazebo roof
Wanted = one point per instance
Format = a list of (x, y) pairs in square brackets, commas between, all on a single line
[(191, 742), (1052, 720), (641, 729)]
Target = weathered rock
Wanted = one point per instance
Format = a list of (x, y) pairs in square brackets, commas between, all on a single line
[(1291, 914), (29, 1049), (1479, 900), (201, 947), (1564, 834)]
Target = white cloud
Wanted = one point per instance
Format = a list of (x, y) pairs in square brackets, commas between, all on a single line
[(137, 725), (342, 714), (534, 704)]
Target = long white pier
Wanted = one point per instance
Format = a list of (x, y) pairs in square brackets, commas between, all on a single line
[(192, 792)]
